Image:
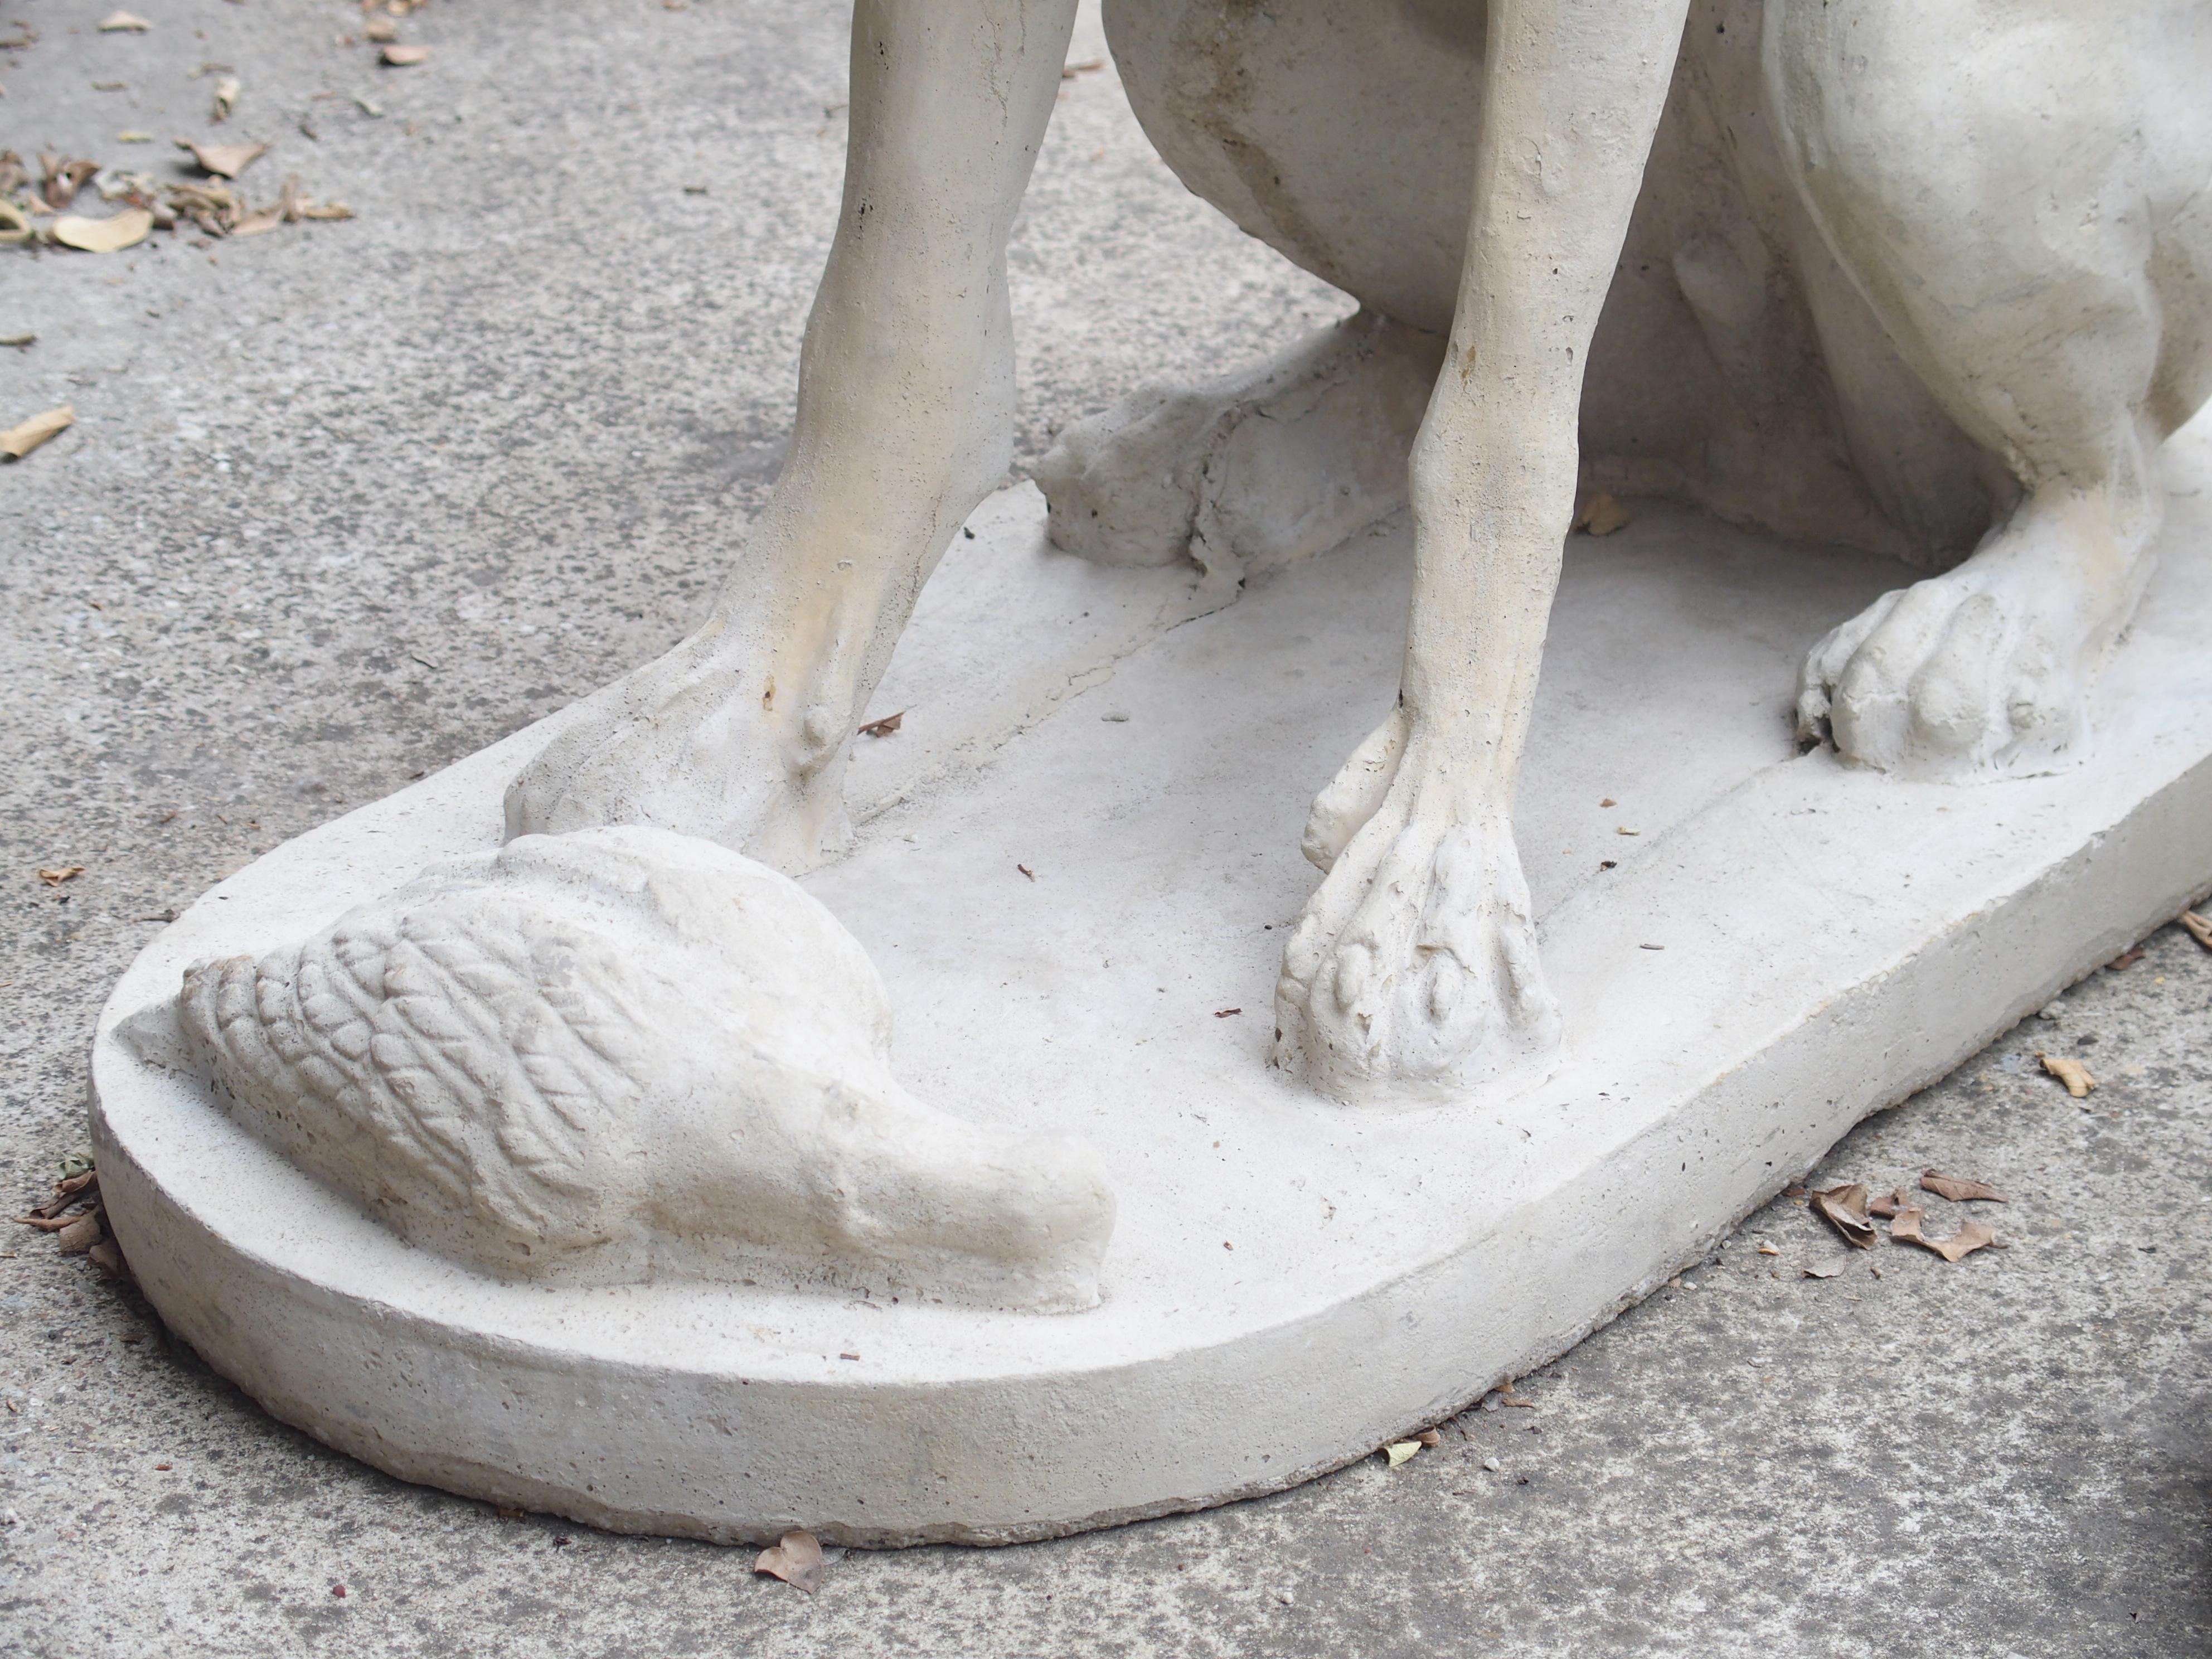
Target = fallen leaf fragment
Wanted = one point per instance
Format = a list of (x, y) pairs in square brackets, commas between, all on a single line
[(1905, 1230), (1844, 1208), (2072, 1072), (14, 225), (60, 873), (1819, 1272), (69, 1192), (45, 1224), (60, 178), (1960, 1192), (254, 223), (81, 1235), (1399, 1450), (109, 236), (2200, 927), (122, 23), (1430, 1437), (405, 57), (224, 160), (885, 727), (795, 1557), (380, 31), (1224, 1013), (1601, 515), (226, 92), (2126, 959), (20, 441), (1890, 1204)]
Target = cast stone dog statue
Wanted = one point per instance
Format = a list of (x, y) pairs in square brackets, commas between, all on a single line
[(1930, 277)]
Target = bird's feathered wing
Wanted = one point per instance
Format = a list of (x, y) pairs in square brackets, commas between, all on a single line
[(464, 1047)]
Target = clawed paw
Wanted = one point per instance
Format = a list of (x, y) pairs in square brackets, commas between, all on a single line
[(1977, 671), (1414, 967)]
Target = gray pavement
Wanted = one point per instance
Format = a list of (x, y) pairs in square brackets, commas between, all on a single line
[(348, 501)]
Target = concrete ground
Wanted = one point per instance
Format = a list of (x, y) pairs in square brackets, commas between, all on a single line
[(348, 501)]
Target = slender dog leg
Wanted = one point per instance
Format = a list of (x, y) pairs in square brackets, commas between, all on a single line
[(1415, 963), (905, 423)]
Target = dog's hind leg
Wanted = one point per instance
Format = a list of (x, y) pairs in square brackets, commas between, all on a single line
[(1263, 467), (905, 423), (1415, 963), (2034, 244)]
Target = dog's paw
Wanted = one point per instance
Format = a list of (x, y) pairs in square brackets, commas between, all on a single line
[(1982, 669), (1414, 968)]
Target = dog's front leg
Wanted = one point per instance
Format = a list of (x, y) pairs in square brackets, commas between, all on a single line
[(1415, 963), (905, 423)]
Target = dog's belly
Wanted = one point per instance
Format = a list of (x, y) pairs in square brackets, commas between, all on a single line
[(1343, 135)]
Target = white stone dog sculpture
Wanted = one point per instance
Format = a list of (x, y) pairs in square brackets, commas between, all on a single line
[(1930, 277)]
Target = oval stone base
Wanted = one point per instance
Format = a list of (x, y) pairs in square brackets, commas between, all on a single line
[(1076, 862)]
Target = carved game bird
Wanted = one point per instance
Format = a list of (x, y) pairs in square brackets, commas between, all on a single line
[(626, 1054)]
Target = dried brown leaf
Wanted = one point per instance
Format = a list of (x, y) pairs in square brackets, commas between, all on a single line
[(20, 440), (1889, 1203), (1844, 1208), (13, 173), (45, 1224), (2126, 959), (224, 160), (122, 23), (312, 210), (109, 1260), (60, 178), (227, 93), (795, 1557), (2200, 927), (1819, 1272), (1960, 1192), (55, 875), (1601, 515), (69, 1192), (885, 727), (14, 225), (1399, 1451), (1430, 1437), (405, 57), (81, 1235), (109, 236), (255, 222), (380, 31), (2072, 1072), (1905, 1230)]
